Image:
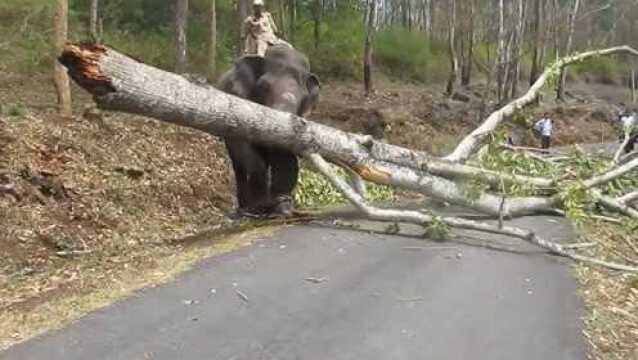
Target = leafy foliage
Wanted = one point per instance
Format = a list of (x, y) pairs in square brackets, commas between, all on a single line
[(314, 191)]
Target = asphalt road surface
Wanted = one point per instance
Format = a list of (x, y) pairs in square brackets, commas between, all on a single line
[(315, 292)]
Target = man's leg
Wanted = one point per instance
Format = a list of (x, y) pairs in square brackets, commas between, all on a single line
[(545, 142)]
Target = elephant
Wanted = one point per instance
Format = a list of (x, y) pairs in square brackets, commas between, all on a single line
[(266, 175)]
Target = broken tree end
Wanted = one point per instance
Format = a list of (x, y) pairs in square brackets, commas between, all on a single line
[(83, 64)]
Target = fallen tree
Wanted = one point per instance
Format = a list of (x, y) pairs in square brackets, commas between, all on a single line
[(120, 83)]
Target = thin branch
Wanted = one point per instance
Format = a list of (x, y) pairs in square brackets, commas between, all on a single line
[(612, 174), (621, 148)]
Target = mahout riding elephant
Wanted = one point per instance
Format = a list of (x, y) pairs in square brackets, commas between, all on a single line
[(267, 175)]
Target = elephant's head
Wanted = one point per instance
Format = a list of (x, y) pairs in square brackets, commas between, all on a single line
[(281, 80)]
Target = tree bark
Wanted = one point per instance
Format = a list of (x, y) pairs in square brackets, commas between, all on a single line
[(537, 61), (212, 41), (60, 76), (466, 71), (500, 54), (181, 47), (560, 90), (122, 84), (368, 48), (292, 18), (93, 21), (316, 14), (454, 62)]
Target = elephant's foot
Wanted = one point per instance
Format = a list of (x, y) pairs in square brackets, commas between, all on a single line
[(283, 206)]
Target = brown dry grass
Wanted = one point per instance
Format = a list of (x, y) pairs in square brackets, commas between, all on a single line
[(114, 189), (611, 298)]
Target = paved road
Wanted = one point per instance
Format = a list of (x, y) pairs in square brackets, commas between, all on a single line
[(382, 297)]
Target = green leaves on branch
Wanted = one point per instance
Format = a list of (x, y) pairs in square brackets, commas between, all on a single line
[(314, 191)]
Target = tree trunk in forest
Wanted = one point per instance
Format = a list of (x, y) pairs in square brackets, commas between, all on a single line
[(514, 64), (316, 15), (368, 47), (500, 54), (93, 21), (466, 71), (181, 22), (292, 19), (539, 29), (212, 41), (454, 62), (60, 76), (243, 11), (560, 90)]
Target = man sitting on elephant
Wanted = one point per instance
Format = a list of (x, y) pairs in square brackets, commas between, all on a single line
[(259, 31), (266, 175)]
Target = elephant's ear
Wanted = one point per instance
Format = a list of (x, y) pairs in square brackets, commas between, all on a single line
[(313, 85), (309, 101)]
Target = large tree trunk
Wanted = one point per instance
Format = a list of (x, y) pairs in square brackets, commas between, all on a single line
[(60, 77), (367, 56), (560, 90), (123, 84), (181, 21), (212, 41)]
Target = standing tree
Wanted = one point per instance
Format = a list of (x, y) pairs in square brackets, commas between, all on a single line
[(500, 54), (181, 22), (60, 77), (93, 21), (212, 41), (243, 10), (292, 19), (467, 53), (454, 62), (538, 55), (367, 57), (560, 90), (317, 9)]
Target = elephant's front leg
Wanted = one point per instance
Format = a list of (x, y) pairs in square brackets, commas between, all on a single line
[(284, 169)]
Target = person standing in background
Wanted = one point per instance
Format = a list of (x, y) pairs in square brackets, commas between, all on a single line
[(545, 127)]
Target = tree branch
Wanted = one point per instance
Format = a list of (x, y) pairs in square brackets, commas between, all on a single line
[(419, 218), (470, 143)]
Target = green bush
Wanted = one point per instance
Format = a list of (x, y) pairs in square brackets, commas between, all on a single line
[(340, 48), (410, 56)]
